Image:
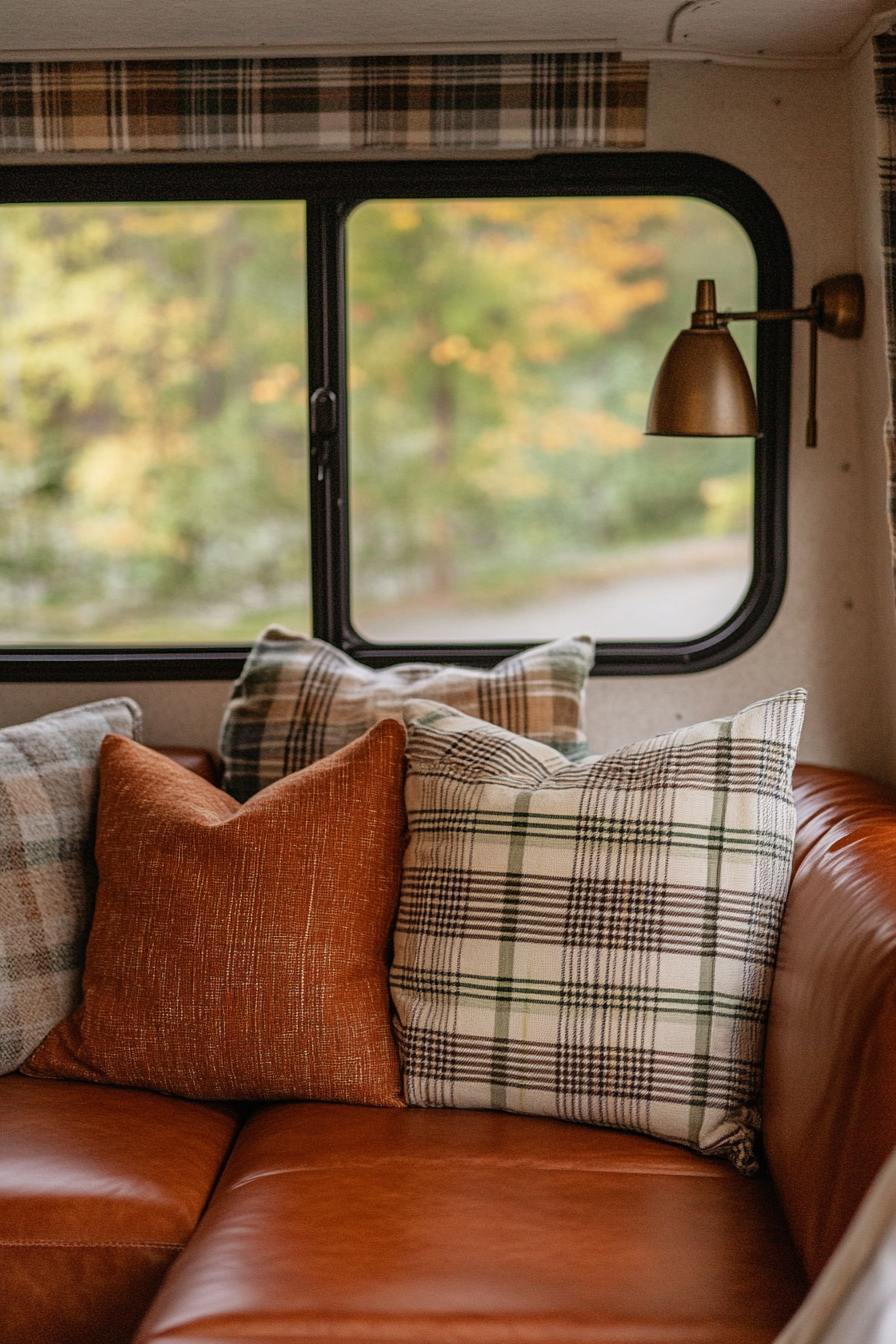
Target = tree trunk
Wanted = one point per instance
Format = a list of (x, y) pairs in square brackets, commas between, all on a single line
[(443, 454)]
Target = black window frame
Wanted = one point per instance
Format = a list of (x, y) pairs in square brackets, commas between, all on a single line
[(331, 190)]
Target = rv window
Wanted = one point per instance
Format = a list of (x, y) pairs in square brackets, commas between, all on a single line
[(501, 356), (480, 343)]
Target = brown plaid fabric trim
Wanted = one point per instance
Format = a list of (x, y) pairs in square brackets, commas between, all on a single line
[(595, 941), (885, 81), (300, 699), (587, 101), (49, 781)]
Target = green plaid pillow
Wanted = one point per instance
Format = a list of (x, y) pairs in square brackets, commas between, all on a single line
[(300, 699), (596, 941), (48, 789)]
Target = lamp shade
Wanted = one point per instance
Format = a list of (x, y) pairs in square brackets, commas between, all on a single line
[(703, 389)]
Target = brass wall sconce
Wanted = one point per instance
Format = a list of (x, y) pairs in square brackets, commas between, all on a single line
[(703, 389)]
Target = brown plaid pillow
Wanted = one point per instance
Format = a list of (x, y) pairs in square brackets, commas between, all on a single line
[(300, 699)]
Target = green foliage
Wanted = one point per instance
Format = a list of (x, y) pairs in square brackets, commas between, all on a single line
[(152, 482), (501, 358), (152, 405)]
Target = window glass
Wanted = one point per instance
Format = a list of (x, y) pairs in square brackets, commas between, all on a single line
[(501, 356), (152, 423)]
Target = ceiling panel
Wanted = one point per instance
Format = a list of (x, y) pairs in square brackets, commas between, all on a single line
[(770, 27), (733, 27)]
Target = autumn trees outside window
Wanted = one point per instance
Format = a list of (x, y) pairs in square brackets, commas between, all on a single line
[(488, 351), (501, 355), (152, 460)]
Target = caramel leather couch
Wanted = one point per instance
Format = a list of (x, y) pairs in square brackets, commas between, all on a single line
[(123, 1211)]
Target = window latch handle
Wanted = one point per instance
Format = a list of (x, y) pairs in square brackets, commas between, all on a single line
[(323, 413), (323, 426)]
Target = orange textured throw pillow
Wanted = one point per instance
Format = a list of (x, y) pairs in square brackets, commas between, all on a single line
[(239, 952)]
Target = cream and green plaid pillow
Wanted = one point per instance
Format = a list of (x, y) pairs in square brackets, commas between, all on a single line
[(595, 941), (300, 699), (49, 781)]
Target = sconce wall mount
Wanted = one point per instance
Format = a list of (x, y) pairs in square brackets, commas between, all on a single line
[(703, 389)]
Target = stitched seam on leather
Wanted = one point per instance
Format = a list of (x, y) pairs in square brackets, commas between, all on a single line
[(619, 1170), (100, 1245)]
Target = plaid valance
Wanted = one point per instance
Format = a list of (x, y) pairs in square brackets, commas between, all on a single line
[(528, 102), (885, 81)]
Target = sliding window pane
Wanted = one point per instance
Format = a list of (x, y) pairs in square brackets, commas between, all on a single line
[(501, 356), (152, 422)]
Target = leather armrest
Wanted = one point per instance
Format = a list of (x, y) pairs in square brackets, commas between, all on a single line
[(829, 1093)]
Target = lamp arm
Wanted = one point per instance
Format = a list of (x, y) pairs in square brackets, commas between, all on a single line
[(809, 314), (811, 422)]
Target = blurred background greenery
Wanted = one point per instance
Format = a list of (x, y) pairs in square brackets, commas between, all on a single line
[(502, 354), (152, 428), (153, 453)]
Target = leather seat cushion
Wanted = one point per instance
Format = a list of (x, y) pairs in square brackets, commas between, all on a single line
[(100, 1188), (473, 1227)]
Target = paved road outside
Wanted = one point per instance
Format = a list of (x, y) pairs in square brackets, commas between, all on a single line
[(679, 604)]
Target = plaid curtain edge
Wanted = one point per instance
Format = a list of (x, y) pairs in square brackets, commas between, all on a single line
[(321, 105), (885, 102)]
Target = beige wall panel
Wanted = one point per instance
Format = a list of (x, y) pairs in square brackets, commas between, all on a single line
[(175, 714), (808, 139)]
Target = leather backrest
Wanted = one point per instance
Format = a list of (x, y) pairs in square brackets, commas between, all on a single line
[(206, 764), (829, 1094)]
